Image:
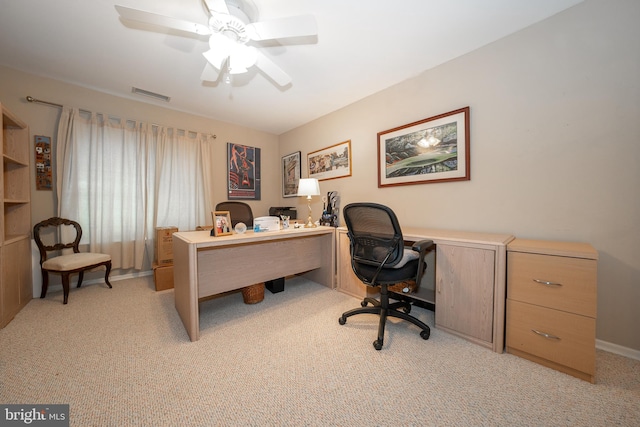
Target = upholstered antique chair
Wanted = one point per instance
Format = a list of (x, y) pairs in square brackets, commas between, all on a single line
[(379, 259), (55, 255)]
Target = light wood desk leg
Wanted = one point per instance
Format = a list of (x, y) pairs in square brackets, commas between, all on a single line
[(325, 275), (185, 279)]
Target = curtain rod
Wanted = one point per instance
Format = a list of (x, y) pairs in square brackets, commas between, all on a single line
[(53, 104)]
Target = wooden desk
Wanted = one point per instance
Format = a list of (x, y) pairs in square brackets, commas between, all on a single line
[(468, 286), (205, 265)]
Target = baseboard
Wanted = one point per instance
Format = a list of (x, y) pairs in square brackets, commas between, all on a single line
[(618, 349), (58, 286)]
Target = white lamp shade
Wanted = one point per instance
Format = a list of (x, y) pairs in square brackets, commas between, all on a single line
[(308, 187)]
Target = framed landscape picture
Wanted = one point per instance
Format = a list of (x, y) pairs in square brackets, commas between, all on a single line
[(427, 151), (331, 162)]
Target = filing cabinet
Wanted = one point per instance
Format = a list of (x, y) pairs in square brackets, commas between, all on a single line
[(551, 304)]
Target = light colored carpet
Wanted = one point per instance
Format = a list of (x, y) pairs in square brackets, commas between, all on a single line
[(121, 357)]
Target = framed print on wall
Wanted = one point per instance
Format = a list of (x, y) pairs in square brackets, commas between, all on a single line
[(243, 166), (291, 169), (427, 151), (331, 162), (221, 223)]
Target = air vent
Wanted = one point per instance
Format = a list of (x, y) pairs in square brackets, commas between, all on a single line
[(143, 92)]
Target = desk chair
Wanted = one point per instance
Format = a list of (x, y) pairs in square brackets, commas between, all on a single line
[(379, 259), (65, 264), (239, 212)]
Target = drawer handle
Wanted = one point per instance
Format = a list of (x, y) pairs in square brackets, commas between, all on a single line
[(543, 334), (544, 282)]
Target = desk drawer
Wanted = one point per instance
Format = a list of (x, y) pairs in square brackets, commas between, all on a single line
[(574, 345), (572, 281)]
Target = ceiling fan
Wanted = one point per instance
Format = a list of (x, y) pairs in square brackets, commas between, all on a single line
[(231, 33)]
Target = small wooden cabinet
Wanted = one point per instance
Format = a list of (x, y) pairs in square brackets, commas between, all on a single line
[(467, 285), (15, 234), (551, 304)]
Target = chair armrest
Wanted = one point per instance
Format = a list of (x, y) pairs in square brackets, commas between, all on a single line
[(422, 246)]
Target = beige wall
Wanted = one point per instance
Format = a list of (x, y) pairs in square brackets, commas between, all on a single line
[(555, 145), (42, 120)]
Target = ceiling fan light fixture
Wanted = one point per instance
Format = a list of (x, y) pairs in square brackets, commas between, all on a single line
[(229, 26), (242, 58), (232, 24)]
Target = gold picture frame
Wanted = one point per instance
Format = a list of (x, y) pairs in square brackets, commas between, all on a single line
[(331, 162), (221, 223)]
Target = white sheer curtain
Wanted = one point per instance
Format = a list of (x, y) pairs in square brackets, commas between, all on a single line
[(120, 179)]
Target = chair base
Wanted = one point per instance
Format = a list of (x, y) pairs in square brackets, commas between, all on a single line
[(384, 309), (65, 278)]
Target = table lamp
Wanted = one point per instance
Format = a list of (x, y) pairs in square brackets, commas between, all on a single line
[(308, 187)]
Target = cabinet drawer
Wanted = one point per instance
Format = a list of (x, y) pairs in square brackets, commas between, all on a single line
[(563, 283), (574, 345)]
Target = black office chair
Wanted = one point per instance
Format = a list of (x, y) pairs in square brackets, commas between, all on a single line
[(379, 258), (239, 212)]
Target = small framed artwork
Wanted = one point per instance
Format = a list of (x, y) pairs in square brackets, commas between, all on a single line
[(331, 162), (291, 168), (221, 223), (43, 162), (427, 151)]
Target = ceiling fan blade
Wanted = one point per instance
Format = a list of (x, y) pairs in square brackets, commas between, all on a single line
[(294, 26), (209, 74), (217, 6), (161, 20), (274, 72)]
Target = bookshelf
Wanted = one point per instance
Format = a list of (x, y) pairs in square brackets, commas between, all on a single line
[(15, 234)]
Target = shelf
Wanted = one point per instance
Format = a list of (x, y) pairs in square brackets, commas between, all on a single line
[(9, 239), (11, 160), (15, 232)]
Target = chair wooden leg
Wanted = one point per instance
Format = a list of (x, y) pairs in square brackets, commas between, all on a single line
[(65, 286), (106, 274), (80, 278), (45, 283)]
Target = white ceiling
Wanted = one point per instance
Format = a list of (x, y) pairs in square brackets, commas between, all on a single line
[(362, 47)]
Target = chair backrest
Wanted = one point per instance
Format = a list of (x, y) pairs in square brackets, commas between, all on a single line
[(239, 212), (52, 229), (374, 233)]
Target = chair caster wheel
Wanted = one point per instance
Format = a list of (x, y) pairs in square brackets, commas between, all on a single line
[(377, 344), (363, 303), (342, 320), (425, 334)]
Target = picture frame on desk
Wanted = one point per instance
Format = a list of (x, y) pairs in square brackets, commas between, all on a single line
[(291, 171), (435, 149), (221, 223), (331, 162)]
